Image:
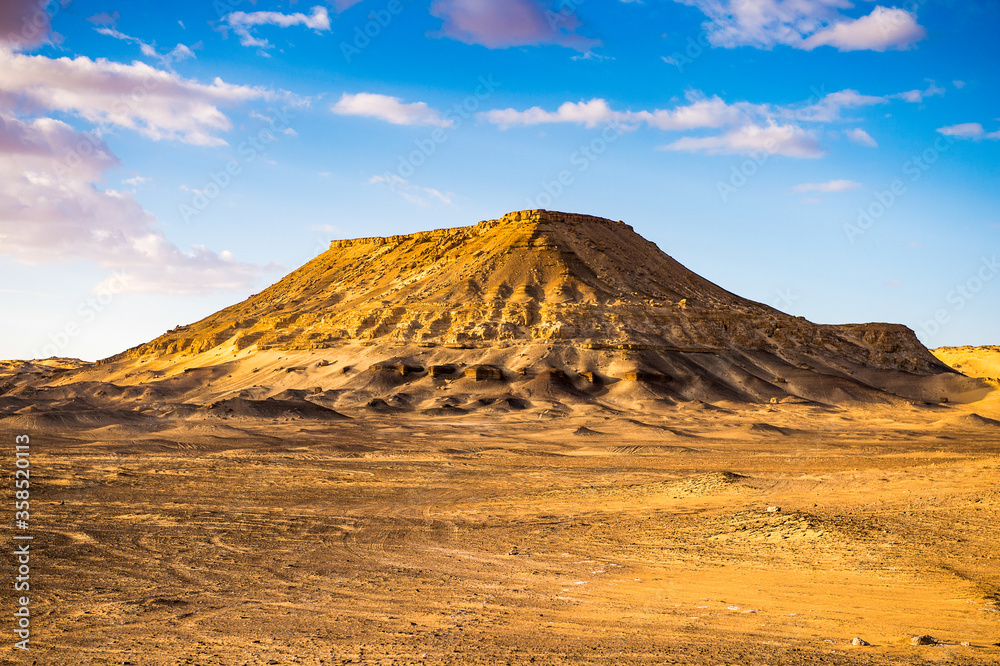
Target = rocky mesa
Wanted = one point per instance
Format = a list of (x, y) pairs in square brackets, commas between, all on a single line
[(536, 307)]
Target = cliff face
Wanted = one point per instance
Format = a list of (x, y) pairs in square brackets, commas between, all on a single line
[(528, 276)]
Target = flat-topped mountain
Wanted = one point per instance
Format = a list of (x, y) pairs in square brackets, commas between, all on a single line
[(537, 303), (529, 276)]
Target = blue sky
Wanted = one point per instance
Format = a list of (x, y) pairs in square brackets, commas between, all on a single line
[(160, 161)]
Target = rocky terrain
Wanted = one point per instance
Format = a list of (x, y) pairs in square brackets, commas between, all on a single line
[(534, 440)]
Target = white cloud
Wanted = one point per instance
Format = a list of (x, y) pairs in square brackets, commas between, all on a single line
[(829, 186), (773, 139), (589, 114), (156, 103), (805, 24), (831, 106), (963, 130), (969, 131), (699, 112), (421, 196), (179, 52), (318, 20), (754, 123), (763, 23), (242, 22), (860, 136), (390, 109), (958, 84), (53, 209), (712, 112), (884, 29), (917, 96)]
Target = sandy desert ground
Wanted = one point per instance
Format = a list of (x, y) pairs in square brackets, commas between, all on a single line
[(712, 534)]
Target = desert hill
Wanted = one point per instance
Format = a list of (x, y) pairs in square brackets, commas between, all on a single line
[(972, 361), (529, 276), (537, 309)]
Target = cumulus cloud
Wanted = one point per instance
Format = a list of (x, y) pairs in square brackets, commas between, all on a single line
[(772, 139), (973, 131), (390, 109), (156, 103), (243, 22), (415, 194), (806, 25), (53, 208), (858, 135), (829, 186), (882, 30), (498, 24)]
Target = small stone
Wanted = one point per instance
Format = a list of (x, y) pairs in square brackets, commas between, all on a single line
[(923, 640), (966, 644), (860, 641), (773, 509), (513, 551)]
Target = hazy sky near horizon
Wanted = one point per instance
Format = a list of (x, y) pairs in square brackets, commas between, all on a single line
[(159, 161)]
